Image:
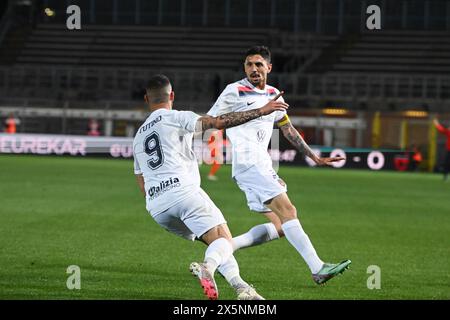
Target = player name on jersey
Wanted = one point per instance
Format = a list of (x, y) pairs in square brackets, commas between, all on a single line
[(150, 124)]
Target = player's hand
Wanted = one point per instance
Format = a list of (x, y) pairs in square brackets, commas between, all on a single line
[(274, 105), (327, 161)]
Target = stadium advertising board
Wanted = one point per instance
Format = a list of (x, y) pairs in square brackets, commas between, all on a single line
[(121, 147)]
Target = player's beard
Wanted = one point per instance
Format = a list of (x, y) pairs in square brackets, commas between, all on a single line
[(256, 81)]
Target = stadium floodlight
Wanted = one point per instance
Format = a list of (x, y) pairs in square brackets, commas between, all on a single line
[(415, 114), (334, 111), (49, 12)]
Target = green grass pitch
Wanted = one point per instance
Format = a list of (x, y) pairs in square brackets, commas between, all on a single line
[(56, 212)]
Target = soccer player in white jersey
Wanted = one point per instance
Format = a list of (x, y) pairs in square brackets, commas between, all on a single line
[(167, 173), (252, 166)]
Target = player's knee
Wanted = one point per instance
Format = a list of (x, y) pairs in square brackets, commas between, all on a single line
[(291, 212), (220, 231)]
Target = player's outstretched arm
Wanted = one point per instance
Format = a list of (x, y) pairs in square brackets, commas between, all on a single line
[(233, 119), (300, 144)]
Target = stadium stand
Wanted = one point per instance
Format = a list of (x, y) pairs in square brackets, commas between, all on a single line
[(417, 52), (109, 63), (139, 46)]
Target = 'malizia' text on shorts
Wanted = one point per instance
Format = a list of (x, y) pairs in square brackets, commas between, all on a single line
[(163, 186)]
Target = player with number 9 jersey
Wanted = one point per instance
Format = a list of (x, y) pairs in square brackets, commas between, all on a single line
[(164, 144)]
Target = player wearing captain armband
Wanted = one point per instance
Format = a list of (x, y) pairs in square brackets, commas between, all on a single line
[(252, 168)]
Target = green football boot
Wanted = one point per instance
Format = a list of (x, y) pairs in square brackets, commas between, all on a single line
[(330, 270)]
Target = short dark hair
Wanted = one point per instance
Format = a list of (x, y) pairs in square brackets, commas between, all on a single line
[(263, 51), (154, 88)]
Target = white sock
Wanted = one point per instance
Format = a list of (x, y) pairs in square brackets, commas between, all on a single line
[(299, 239), (217, 253), (230, 270), (256, 235)]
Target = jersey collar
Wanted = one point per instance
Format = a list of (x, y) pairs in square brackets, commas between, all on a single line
[(250, 85)]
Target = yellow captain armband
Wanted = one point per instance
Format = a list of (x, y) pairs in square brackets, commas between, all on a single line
[(283, 121)]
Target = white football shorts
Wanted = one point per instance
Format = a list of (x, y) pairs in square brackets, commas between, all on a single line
[(191, 217), (260, 185)]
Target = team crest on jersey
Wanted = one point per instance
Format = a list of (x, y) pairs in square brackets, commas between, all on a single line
[(260, 135), (163, 186)]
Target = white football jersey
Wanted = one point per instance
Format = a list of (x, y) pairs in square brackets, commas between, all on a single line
[(163, 154), (250, 140)]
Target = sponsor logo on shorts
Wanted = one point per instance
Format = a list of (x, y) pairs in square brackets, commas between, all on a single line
[(163, 186)]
